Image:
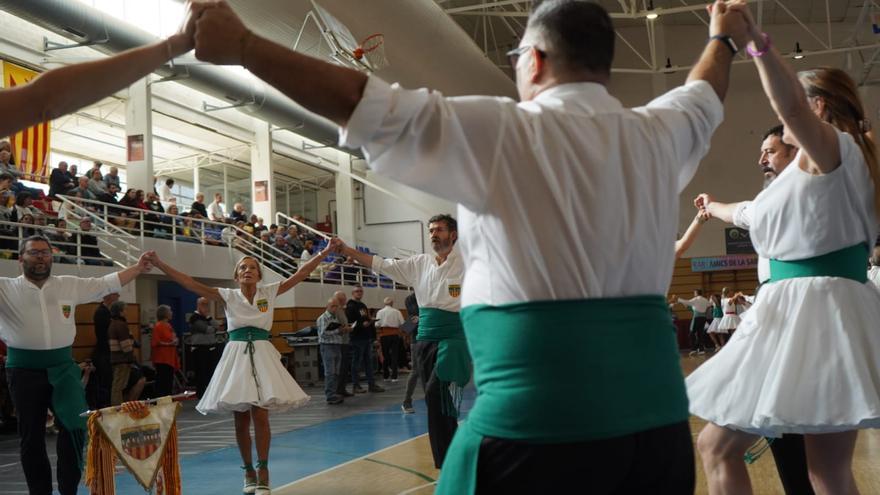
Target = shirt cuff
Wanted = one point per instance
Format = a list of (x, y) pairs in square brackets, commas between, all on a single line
[(741, 215), (378, 261), (368, 115)]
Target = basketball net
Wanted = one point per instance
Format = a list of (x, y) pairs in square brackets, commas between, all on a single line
[(371, 52)]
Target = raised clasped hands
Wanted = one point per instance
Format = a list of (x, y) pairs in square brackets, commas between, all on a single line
[(727, 18)]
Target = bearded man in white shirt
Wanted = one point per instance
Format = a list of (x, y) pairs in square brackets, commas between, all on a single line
[(546, 168), (40, 369)]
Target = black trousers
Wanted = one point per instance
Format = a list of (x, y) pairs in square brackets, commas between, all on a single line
[(791, 463), (344, 370), (164, 379), (441, 428), (205, 359), (657, 461), (698, 333), (32, 395), (102, 379), (391, 353)]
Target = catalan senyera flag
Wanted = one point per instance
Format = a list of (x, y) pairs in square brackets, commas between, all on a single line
[(30, 147)]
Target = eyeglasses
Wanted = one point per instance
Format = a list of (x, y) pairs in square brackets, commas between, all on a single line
[(513, 55), (39, 252)]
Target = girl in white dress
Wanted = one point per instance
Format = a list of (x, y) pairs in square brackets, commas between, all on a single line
[(806, 356), (717, 335), (250, 380)]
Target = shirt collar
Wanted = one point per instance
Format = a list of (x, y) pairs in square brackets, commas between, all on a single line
[(27, 283), (587, 93), (454, 254)]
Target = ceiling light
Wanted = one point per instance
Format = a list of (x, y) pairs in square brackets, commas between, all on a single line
[(798, 53), (652, 14), (668, 66)]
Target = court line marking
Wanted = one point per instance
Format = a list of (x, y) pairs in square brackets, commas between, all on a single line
[(417, 488), (402, 468), (325, 471)]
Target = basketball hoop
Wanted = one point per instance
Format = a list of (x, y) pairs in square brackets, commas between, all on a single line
[(372, 49)]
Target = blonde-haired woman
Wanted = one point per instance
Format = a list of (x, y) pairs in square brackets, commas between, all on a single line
[(806, 356), (250, 380)]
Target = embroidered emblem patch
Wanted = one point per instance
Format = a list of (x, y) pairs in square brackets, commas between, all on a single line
[(454, 290), (262, 305), (65, 310)]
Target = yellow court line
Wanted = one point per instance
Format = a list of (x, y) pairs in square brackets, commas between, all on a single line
[(361, 458)]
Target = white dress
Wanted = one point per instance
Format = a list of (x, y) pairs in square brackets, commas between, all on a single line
[(233, 387), (716, 320), (806, 356), (730, 319)]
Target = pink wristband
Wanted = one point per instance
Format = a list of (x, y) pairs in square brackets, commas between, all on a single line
[(760, 53)]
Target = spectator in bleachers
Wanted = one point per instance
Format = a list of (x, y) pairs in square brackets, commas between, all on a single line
[(154, 220), (8, 233), (6, 166), (260, 226), (164, 347), (264, 243), (82, 189), (186, 230), (129, 218), (250, 226), (60, 181), (238, 214), (89, 250), (273, 231), (24, 204), (307, 250), (281, 245), (27, 219), (62, 245), (293, 238), (141, 199), (5, 182), (95, 166), (68, 211), (198, 206), (227, 235), (97, 187), (215, 209), (165, 194), (73, 173), (388, 321), (112, 178)]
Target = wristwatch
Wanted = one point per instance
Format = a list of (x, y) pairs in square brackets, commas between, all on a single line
[(727, 40)]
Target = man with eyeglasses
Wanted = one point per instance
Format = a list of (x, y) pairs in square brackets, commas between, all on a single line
[(38, 323), (564, 199), (440, 352)]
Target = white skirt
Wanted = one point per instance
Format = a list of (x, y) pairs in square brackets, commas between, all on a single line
[(804, 359), (713, 327), (729, 322), (233, 387)]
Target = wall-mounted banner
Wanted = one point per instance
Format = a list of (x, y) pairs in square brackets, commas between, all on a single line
[(737, 241), (30, 147), (719, 263)]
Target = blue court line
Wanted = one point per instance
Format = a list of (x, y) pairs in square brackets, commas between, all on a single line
[(300, 453)]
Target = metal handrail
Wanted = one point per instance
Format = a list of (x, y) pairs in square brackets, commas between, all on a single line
[(279, 215), (100, 235)]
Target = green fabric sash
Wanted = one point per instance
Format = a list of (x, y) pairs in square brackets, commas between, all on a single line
[(717, 312), (453, 359), (845, 263), (68, 395), (620, 353), (250, 335)]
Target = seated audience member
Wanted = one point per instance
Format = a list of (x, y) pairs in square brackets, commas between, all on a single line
[(69, 210), (307, 250), (60, 181), (63, 247), (186, 230), (88, 245), (24, 204), (238, 214), (198, 206), (154, 221), (97, 187), (82, 189), (112, 178)]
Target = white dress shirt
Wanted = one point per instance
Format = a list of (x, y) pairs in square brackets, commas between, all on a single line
[(215, 211), (700, 304), (389, 317), (45, 318), (436, 286), (567, 196)]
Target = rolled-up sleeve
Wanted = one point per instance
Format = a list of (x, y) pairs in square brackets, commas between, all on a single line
[(92, 289), (401, 271), (443, 146), (742, 215), (689, 115)]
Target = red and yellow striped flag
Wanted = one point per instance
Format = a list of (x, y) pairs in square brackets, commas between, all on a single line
[(30, 147)]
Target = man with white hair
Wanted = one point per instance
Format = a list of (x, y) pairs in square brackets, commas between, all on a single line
[(388, 321)]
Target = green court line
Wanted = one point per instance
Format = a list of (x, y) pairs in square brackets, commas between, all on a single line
[(408, 470)]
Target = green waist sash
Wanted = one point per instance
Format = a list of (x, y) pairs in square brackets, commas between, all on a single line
[(619, 353), (250, 335), (717, 312), (453, 365), (845, 263), (68, 395)]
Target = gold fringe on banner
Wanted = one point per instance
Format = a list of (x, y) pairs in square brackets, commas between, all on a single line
[(101, 460)]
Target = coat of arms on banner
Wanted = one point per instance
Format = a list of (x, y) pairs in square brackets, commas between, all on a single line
[(262, 305), (454, 290), (65, 310), (145, 441)]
